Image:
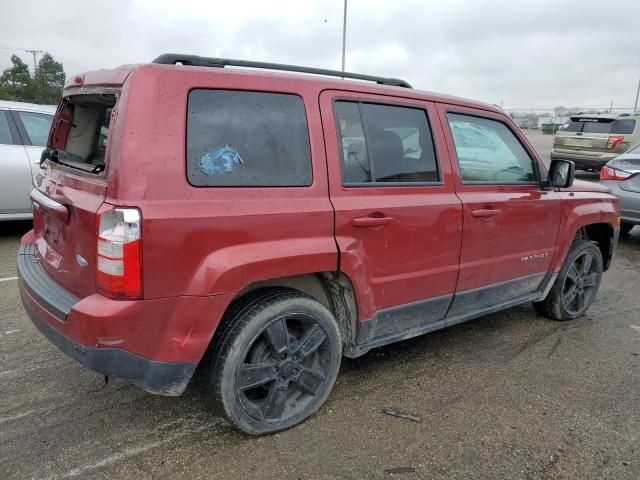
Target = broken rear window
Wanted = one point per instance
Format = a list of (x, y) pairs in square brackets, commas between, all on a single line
[(85, 142), (249, 139)]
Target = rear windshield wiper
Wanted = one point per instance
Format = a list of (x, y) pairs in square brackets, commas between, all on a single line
[(69, 159)]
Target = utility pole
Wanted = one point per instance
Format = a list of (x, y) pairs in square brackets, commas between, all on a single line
[(34, 53), (635, 106), (344, 34)]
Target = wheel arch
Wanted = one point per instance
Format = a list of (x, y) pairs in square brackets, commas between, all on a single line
[(583, 222), (603, 235), (333, 289)]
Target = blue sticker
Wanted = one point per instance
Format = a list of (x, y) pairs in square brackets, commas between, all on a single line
[(219, 160)]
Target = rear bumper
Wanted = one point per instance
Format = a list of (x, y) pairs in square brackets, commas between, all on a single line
[(629, 202), (155, 344), (584, 162), (162, 378)]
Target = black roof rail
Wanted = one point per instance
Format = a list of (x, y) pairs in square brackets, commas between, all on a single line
[(197, 61)]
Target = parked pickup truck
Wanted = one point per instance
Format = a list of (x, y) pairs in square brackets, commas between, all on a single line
[(262, 224)]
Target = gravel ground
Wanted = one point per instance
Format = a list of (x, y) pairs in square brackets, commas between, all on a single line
[(510, 395)]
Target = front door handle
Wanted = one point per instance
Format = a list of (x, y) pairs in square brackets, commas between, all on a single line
[(484, 213), (371, 222)]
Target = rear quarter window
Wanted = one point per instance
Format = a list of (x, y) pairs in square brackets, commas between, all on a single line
[(623, 127), (247, 139)]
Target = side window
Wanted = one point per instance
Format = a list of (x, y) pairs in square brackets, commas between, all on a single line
[(488, 151), (37, 126), (5, 133), (384, 143), (623, 127), (247, 139)]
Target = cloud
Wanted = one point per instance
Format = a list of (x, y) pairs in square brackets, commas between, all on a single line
[(525, 54)]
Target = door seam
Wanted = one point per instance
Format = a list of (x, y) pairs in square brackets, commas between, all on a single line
[(443, 127)]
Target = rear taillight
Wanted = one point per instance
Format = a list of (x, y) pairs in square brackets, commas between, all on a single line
[(613, 141), (118, 266), (609, 173)]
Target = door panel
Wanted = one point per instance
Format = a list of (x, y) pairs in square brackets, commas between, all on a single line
[(399, 243), (15, 173), (15, 180), (510, 229), (519, 241), (34, 154)]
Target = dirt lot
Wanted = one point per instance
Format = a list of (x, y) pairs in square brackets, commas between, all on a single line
[(510, 395)]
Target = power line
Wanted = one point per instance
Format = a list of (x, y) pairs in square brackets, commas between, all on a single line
[(80, 67), (32, 52)]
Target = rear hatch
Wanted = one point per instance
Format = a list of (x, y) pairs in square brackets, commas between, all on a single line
[(71, 185), (595, 135)]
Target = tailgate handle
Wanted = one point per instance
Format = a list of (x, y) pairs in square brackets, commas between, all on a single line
[(371, 222), (484, 213), (49, 206)]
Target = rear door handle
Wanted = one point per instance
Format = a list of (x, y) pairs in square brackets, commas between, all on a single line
[(485, 212), (369, 222)]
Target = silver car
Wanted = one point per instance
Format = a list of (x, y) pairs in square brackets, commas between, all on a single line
[(622, 176), (24, 130)]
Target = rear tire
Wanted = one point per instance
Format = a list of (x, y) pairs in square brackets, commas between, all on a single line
[(577, 283), (276, 361)]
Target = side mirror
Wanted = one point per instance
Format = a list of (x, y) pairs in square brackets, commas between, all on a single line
[(562, 173)]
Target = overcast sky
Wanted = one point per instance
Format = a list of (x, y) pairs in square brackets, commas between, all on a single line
[(523, 53)]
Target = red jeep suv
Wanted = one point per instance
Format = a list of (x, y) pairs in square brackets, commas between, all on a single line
[(263, 224)]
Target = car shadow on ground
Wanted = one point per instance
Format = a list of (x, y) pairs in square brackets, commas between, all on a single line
[(15, 228), (631, 239), (430, 354)]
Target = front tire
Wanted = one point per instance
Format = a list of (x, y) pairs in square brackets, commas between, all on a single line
[(276, 361), (577, 283)]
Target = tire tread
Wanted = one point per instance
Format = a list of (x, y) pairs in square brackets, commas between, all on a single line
[(551, 306), (236, 319)]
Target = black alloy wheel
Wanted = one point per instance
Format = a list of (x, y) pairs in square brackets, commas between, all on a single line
[(284, 368), (581, 283), (576, 285), (274, 361)]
